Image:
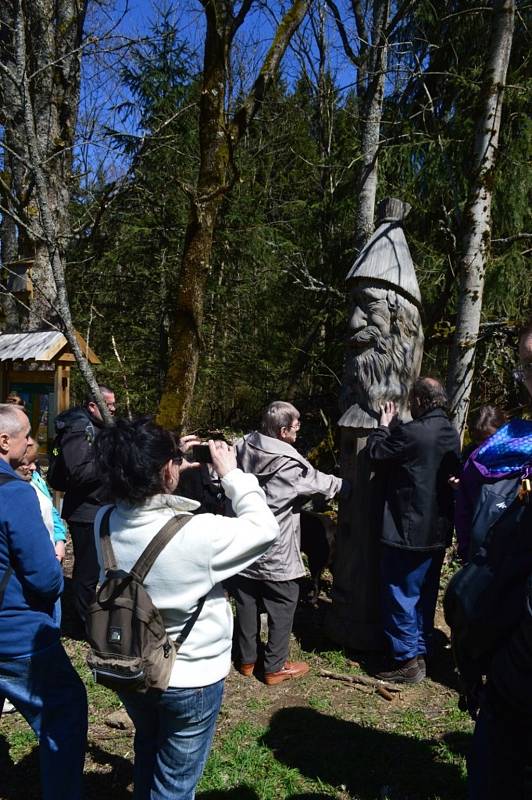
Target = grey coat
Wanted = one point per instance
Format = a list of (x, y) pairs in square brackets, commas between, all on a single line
[(288, 481)]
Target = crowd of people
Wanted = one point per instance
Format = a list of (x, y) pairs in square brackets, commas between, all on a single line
[(125, 482)]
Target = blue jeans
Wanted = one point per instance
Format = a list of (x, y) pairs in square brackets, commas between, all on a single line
[(410, 582), (47, 691), (173, 735)]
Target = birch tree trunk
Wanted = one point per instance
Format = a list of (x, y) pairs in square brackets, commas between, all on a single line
[(53, 38), (219, 137), (370, 133), (45, 73), (477, 216)]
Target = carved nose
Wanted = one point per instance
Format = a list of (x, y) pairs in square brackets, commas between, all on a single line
[(358, 320)]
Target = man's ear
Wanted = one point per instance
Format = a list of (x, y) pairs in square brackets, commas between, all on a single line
[(4, 442)]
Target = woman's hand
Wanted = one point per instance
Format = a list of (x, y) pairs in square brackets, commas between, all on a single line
[(187, 442), (223, 456)]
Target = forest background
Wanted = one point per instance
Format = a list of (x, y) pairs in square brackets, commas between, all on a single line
[(246, 245)]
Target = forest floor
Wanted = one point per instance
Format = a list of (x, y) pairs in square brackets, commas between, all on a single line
[(310, 739)]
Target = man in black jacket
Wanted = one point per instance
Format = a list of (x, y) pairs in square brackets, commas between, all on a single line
[(416, 460), (83, 496)]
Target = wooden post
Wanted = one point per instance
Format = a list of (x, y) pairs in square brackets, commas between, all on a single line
[(62, 387)]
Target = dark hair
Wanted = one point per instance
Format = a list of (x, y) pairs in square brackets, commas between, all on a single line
[(486, 419), (89, 397), (429, 394), (131, 456)]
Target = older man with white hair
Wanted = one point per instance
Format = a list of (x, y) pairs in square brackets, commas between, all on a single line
[(36, 675), (271, 583)]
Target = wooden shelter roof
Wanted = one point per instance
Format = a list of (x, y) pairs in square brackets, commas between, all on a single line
[(44, 346)]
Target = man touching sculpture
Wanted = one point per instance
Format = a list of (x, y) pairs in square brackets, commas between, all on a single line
[(383, 360)]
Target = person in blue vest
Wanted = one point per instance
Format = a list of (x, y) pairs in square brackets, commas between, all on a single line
[(36, 675)]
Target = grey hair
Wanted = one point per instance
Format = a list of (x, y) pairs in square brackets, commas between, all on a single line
[(12, 418), (278, 415)]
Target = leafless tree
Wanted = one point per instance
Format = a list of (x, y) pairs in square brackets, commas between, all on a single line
[(477, 215), (219, 135), (41, 46)]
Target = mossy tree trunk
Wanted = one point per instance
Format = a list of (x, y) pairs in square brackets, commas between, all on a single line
[(477, 215), (44, 70), (219, 137)]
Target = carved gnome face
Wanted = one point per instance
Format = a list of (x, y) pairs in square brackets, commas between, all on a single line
[(385, 337), (384, 350)]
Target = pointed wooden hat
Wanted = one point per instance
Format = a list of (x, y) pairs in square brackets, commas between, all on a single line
[(386, 257)]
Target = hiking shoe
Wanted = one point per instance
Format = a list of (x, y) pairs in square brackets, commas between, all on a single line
[(246, 669), (292, 669), (404, 672)]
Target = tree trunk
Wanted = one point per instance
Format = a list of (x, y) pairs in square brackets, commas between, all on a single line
[(371, 125), (218, 139), (50, 180), (477, 215)]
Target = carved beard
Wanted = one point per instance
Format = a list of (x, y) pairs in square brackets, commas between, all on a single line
[(384, 371)]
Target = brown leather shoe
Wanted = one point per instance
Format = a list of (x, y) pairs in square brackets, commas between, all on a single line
[(292, 669), (246, 669)]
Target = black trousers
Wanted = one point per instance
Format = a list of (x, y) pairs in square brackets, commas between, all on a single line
[(86, 569), (279, 600)]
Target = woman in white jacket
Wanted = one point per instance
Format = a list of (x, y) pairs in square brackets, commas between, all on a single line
[(141, 466)]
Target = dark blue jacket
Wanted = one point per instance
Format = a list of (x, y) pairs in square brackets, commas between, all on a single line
[(27, 619)]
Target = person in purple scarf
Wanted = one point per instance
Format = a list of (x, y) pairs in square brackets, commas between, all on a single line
[(501, 460)]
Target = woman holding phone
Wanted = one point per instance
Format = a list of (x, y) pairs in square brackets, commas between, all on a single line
[(141, 466)]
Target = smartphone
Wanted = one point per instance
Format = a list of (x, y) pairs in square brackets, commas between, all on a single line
[(201, 453)]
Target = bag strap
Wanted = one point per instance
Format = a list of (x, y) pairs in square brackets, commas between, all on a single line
[(3, 583), (147, 558), (9, 571), (109, 560), (178, 641)]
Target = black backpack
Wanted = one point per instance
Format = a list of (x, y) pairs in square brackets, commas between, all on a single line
[(71, 421), (130, 648), (485, 600)]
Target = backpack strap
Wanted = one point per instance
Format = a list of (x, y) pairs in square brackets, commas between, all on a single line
[(3, 583), (109, 560), (4, 478), (178, 641), (147, 558)]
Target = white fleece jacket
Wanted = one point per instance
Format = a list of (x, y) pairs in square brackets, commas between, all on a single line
[(206, 551)]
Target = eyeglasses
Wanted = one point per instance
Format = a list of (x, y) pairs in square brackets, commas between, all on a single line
[(296, 426), (523, 372)]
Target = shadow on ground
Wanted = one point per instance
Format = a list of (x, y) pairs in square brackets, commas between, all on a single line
[(309, 630), (367, 762), (21, 781)]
